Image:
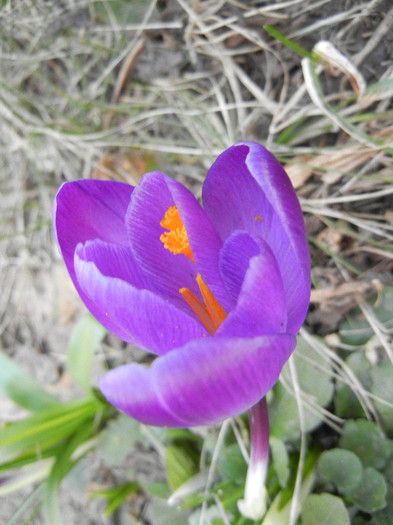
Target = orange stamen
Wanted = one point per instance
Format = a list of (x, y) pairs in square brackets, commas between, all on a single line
[(211, 314), (175, 240), (216, 311), (199, 309)]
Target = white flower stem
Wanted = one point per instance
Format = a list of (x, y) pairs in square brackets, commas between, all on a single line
[(253, 505)]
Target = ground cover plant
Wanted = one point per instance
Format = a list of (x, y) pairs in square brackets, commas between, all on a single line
[(111, 90)]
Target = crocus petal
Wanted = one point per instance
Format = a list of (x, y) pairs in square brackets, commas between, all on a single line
[(246, 188), (86, 210), (203, 238), (114, 260), (202, 383), (169, 272), (234, 260), (261, 307), (138, 316)]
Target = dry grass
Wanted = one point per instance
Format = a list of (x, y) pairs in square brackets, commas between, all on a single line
[(86, 88)]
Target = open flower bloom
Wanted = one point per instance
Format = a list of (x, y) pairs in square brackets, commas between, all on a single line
[(217, 291)]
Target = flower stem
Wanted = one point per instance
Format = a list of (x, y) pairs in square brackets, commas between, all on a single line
[(253, 505)]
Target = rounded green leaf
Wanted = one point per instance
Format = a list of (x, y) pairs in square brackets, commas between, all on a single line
[(315, 382), (367, 441), (341, 467), (370, 494), (324, 509)]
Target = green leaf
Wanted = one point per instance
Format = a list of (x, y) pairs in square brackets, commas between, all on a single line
[(46, 428), (370, 493), (163, 514), (118, 439), (367, 441), (86, 336), (231, 464), (297, 48), (63, 464), (280, 460), (180, 466), (316, 383), (116, 495), (346, 401), (342, 467), (382, 387), (356, 330), (21, 388), (324, 509)]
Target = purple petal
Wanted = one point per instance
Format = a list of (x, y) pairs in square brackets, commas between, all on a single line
[(169, 272), (114, 260), (204, 240), (261, 307), (87, 210), (138, 316), (234, 260), (246, 188), (202, 383)]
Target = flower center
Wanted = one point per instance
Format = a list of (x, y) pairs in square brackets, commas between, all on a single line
[(211, 313), (175, 239)]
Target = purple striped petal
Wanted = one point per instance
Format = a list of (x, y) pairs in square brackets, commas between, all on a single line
[(246, 188), (169, 272), (234, 260), (114, 260), (138, 316), (202, 383), (87, 210), (261, 307)]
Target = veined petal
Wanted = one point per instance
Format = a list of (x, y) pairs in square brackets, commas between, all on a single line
[(246, 188), (261, 307), (234, 260), (201, 383), (138, 316), (90, 209), (169, 272), (203, 238), (114, 260), (87, 210)]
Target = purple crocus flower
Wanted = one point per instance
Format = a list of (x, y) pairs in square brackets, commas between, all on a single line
[(217, 291)]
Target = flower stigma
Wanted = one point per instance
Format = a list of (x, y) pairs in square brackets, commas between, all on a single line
[(175, 240), (210, 312)]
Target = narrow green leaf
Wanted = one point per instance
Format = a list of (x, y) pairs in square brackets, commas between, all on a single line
[(280, 460), (62, 466), (84, 341), (31, 500), (16, 384), (120, 496), (297, 48), (179, 465), (324, 509), (45, 428)]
